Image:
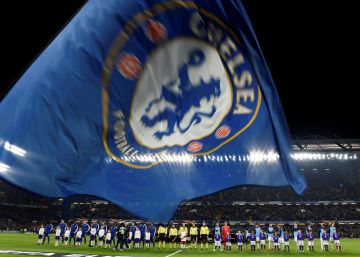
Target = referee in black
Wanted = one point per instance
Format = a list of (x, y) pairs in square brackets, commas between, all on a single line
[(122, 235)]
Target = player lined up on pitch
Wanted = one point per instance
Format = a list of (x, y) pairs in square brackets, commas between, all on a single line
[(127, 235)]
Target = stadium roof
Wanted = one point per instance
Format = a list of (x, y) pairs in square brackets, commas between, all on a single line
[(324, 144)]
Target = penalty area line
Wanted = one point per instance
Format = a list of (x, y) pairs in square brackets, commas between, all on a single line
[(178, 251)]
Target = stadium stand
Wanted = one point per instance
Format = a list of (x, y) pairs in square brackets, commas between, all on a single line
[(330, 166)]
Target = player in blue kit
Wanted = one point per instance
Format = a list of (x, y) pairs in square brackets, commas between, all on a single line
[(286, 241), (262, 240), (239, 240), (48, 229), (300, 241), (113, 230), (133, 230), (142, 228), (73, 230), (217, 229), (310, 237), (104, 226), (228, 242), (217, 241), (152, 230), (332, 229), (253, 241), (322, 230), (257, 234), (270, 236), (63, 227), (308, 229), (325, 238), (281, 236), (85, 228), (336, 238), (247, 237), (296, 229), (276, 241)]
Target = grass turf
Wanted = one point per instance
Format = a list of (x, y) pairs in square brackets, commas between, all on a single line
[(27, 242)]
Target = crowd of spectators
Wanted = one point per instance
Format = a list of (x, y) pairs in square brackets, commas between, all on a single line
[(21, 210), (100, 211), (263, 194), (350, 230), (19, 217), (13, 195), (268, 212), (246, 213)]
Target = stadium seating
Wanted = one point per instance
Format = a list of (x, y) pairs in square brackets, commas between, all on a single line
[(332, 195)]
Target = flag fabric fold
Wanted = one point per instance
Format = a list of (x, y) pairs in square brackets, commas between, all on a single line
[(148, 103)]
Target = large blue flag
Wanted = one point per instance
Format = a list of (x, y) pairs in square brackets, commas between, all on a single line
[(147, 103)]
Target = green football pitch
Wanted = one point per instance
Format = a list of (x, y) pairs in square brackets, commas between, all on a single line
[(27, 243)]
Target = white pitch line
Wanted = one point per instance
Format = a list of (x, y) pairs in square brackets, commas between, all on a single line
[(178, 251), (173, 253), (25, 253)]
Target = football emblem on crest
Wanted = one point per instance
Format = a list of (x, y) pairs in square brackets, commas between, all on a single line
[(222, 132), (129, 65), (155, 31), (195, 146)]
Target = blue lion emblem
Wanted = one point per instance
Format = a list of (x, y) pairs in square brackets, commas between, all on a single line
[(190, 96)]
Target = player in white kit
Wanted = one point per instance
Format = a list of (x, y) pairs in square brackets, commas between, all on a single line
[(57, 235), (147, 238), (183, 236), (41, 235), (137, 238), (101, 236), (108, 239), (78, 237), (66, 236)]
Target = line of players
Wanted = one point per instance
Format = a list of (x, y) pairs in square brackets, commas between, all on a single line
[(100, 234), (125, 234), (278, 238)]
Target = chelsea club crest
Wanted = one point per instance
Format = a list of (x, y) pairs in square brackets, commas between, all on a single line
[(176, 81)]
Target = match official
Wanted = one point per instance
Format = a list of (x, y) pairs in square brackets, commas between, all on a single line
[(194, 235), (204, 235), (162, 231)]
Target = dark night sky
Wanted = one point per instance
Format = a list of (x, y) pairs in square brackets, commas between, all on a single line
[(311, 47)]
